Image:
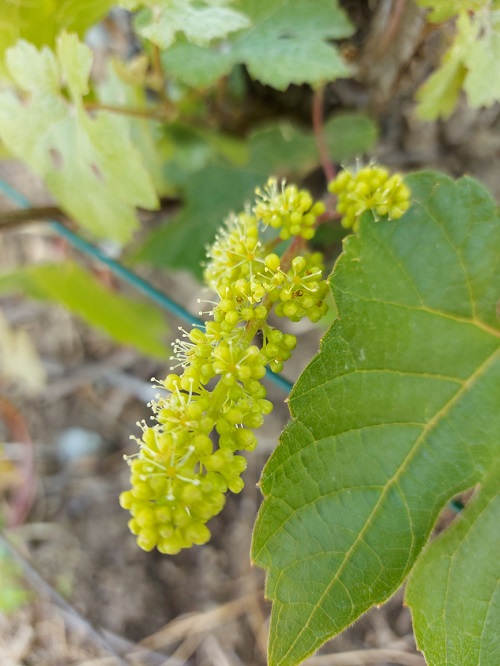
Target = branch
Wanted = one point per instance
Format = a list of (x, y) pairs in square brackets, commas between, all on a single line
[(18, 217), (319, 133), (158, 115)]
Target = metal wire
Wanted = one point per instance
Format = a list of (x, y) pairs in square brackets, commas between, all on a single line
[(127, 275)]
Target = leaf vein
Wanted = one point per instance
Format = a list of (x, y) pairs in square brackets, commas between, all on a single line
[(391, 482)]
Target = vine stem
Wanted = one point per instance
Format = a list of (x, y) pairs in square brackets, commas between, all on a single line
[(16, 218), (319, 133), (160, 75), (160, 116), (392, 28), (24, 495)]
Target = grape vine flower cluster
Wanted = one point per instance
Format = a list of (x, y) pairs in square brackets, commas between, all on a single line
[(188, 459), (371, 188)]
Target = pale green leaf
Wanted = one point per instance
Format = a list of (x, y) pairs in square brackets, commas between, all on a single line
[(396, 415), (213, 191), (147, 135), (471, 62), (442, 10), (454, 590), (128, 321), (200, 21), (88, 163), (439, 94), (75, 62), (482, 82), (32, 70), (41, 22), (289, 41), (19, 360)]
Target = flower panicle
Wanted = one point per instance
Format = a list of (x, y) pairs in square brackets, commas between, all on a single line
[(190, 457), (370, 188)]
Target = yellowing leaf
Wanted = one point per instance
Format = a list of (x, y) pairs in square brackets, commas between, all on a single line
[(40, 22), (471, 62), (31, 70), (442, 10), (200, 22), (127, 320), (439, 94), (482, 82), (88, 162), (148, 136), (19, 359)]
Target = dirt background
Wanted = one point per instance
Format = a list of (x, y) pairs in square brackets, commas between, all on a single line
[(95, 598)]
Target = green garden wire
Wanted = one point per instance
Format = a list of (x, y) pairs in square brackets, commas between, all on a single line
[(125, 274)]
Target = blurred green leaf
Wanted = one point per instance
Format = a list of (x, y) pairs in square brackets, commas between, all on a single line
[(87, 162), (349, 135), (191, 149), (41, 22), (128, 321), (211, 193), (200, 21), (442, 10), (145, 133), (289, 41), (482, 83), (170, 151), (471, 62)]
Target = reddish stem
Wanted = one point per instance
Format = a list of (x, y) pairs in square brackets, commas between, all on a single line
[(392, 27), (319, 133), (24, 496)]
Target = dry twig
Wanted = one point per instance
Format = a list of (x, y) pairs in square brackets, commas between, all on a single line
[(365, 657), (179, 629)]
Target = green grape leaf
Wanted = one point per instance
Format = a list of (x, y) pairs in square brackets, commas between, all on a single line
[(442, 10), (397, 414), (288, 42), (453, 591), (200, 22), (128, 321), (41, 22), (88, 163), (217, 188)]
